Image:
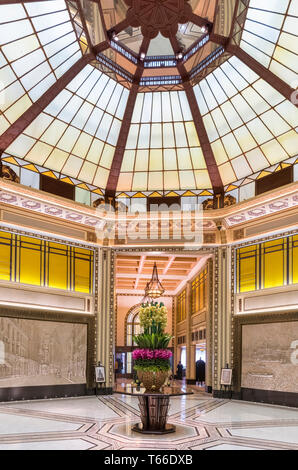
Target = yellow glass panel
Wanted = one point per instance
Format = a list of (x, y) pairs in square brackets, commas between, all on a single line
[(57, 266), (83, 270), (5, 255), (247, 269), (201, 296), (273, 263), (295, 259), (30, 259)]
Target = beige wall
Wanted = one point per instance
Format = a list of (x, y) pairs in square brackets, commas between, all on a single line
[(124, 303)]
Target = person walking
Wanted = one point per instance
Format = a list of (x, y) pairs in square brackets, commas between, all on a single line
[(179, 371), (200, 371)]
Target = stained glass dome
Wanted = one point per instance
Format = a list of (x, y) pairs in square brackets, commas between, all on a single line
[(202, 102)]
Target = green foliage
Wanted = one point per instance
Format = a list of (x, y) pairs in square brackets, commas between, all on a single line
[(152, 341), (152, 365)]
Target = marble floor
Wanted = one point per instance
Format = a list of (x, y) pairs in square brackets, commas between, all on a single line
[(105, 422)]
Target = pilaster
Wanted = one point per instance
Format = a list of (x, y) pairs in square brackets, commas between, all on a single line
[(175, 339), (209, 326), (105, 316), (222, 316), (190, 349)]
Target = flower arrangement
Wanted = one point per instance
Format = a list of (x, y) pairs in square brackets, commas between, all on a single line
[(152, 355), (152, 360), (153, 317)]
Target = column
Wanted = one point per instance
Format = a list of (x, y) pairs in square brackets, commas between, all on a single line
[(175, 339), (222, 320), (190, 348), (209, 326), (105, 349)]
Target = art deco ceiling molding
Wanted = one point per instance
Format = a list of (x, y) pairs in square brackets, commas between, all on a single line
[(154, 16), (50, 206)]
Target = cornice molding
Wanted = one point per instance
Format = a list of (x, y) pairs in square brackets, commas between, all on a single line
[(56, 208)]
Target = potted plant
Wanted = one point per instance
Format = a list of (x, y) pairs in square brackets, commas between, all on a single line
[(152, 358)]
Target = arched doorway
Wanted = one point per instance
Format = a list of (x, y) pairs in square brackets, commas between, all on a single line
[(123, 363), (132, 325)]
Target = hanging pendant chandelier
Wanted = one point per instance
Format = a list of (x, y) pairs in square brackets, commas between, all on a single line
[(154, 288)]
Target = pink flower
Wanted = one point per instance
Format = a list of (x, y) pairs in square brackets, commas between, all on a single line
[(151, 354)]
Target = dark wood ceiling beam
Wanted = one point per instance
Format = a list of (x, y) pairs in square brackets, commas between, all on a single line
[(125, 127), (260, 70), (199, 21), (218, 39), (124, 24), (116, 30), (101, 47), (212, 167), (16, 129)]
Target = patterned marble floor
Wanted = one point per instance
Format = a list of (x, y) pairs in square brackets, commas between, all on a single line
[(97, 423)]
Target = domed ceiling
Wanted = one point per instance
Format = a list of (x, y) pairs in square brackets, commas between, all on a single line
[(155, 96)]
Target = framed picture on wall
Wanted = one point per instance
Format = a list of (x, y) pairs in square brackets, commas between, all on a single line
[(226, 377), (100, 374)]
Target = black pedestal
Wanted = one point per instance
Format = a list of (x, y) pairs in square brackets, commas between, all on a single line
[(154, 413)]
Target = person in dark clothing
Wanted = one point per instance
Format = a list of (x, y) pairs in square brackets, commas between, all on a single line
[(179, 371), (200, 371)]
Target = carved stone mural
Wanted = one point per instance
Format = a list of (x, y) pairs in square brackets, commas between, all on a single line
[(37, 352), (270, 357)]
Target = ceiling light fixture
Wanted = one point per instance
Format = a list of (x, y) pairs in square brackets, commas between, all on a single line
[(204, 29), (154, 288), (179, 56), (114, 36), (142, 55)]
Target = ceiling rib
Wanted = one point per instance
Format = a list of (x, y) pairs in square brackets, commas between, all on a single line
[(199, 21), (123, 135), (101, 47), (212, 167), (16, 129), (260, 70), (218, 39), (124, 24), (115, 30)]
